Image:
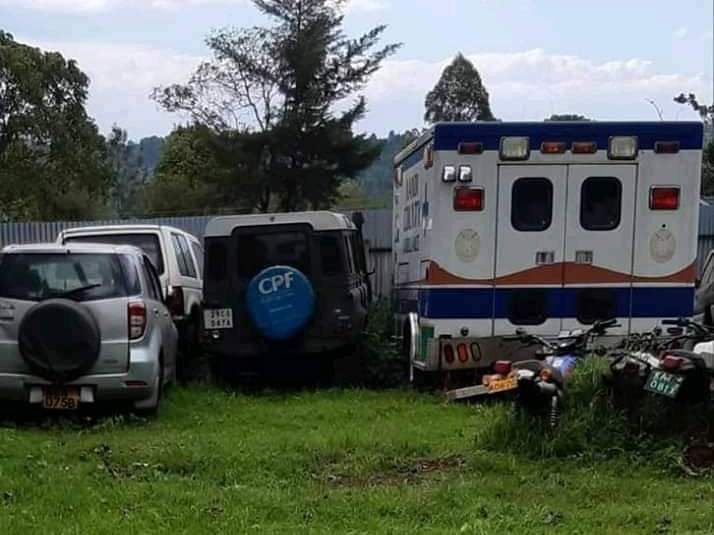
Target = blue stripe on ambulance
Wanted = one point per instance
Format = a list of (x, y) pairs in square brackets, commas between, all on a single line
[(487, 303)]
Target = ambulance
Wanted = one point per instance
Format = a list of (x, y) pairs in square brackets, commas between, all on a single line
[(546, 227)]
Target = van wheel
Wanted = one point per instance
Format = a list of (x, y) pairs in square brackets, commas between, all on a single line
[(348, 367), (150, 407)]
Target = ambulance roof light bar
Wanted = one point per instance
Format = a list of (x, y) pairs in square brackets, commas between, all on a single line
[(515, 148)]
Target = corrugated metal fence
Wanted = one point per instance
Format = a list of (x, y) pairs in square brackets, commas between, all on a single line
[(377, 233)]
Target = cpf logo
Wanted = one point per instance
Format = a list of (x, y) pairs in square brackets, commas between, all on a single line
[(276, 282)]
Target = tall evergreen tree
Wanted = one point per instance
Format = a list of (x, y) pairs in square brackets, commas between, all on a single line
[(459, 95), (278, 89)]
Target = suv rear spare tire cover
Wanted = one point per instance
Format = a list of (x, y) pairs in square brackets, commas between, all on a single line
[(280, 300), (59, 339)]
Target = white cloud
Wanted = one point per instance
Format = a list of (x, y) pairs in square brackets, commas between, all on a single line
[(93, 6), (527, 85), (681, 33), (122, 78), (367, 5), (533, 84)]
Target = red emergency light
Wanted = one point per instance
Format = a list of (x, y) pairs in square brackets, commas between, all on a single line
[(664, 198), (468, 199)]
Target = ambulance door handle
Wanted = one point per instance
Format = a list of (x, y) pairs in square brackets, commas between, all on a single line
[(545, 257)]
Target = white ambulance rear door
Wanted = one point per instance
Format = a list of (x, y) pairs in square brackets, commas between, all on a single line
[(529, 248), (599, 245)]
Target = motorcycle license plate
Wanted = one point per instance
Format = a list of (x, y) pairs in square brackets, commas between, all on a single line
[(664, 384), (63, 399), (501, 385)]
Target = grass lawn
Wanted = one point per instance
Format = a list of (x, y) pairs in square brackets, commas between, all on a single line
[(324, 462)]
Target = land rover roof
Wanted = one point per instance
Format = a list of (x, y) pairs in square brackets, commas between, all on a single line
[(319, 221)]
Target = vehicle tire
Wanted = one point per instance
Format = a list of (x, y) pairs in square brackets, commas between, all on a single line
[(190, 353), (150, 407), (59, 339), (348, 367)]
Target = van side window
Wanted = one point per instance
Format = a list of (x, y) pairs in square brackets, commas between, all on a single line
[(217, 259), (600, 203), (151, 289), (532, 204), (183, 256), (330, 255), (198, 253)]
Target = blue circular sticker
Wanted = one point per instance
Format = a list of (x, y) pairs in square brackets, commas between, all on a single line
[(280, 300)]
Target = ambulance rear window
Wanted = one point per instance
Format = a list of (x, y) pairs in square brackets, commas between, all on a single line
[(532, 204), (600, 203)]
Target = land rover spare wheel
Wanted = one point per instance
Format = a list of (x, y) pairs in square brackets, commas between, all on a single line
[(59, 339), (280, 300)]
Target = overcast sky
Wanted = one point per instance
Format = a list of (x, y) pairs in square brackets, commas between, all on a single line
[(603, 59)]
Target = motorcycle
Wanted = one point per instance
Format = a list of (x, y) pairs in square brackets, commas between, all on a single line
[(541, 381), (677, 369)]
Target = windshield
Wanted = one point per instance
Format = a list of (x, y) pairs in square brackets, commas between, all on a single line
[(149, 243), (82, 277)]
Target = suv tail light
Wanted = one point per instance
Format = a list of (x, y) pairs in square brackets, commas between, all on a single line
[(664, 198), (468, 199), (174, 301), (137, 319)]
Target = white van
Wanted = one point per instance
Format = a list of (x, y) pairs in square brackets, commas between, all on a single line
[(542, 226), (178, 259)]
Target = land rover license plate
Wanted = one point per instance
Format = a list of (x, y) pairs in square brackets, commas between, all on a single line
[(218, 318)]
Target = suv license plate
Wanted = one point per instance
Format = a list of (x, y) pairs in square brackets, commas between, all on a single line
[(218, 318), (63, 399), (664, 384)]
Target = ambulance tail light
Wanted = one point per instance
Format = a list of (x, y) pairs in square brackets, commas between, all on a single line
[(463, 352), (664, 198), (622, 148), (583, 147), (667, 147), (470, 148), (448, 352), (553, 147), (515, 148), (448, 174), (468, 199)]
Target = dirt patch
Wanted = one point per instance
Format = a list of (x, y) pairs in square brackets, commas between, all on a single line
[(412, 473)]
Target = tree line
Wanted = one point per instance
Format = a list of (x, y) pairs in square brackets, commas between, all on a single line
[(270, 126)]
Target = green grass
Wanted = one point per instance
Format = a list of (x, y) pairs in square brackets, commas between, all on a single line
[(324, 462)]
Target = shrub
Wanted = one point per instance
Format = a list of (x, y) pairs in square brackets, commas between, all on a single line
[(590, 426), (384, 364)]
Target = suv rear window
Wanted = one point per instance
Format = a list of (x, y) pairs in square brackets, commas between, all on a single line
[(260, 250), (149, 243), (36, 277)]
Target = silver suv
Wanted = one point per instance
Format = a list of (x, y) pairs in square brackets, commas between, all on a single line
[(81, 324)]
